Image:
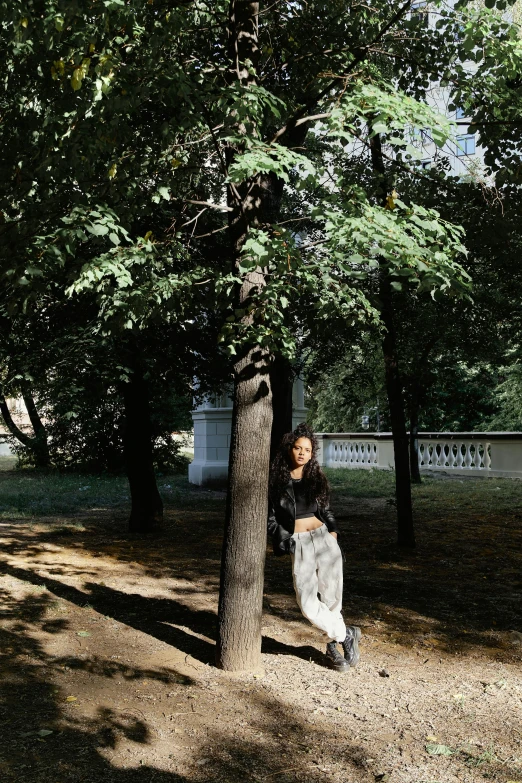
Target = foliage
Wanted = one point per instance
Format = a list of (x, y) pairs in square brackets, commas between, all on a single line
[(508, 395), (124, 127), (85, 430)]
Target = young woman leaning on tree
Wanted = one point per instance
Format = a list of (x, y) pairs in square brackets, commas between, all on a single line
[(301, 524)]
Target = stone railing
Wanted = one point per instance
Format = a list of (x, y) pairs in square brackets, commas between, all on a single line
[(466, 453)]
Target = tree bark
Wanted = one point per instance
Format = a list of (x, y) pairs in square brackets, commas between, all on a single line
[(38, 445), (282, 383), (146, 503), (244, 544), (405, 530), (394, 386)]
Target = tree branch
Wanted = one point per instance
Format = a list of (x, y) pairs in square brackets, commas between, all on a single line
[(15, 431), (331, 85)]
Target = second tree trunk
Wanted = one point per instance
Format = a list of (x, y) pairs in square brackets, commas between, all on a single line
[(147, 505)]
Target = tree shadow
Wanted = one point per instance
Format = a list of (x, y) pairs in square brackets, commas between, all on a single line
[(458, 591), (180, 626), (44, 740)]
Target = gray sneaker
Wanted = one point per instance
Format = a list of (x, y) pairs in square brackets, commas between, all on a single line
[(351, 645), (334, 658)]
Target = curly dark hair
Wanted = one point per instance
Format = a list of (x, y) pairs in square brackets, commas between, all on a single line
[(316, 483)]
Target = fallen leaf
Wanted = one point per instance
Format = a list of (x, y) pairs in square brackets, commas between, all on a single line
[(71, 698), (438, 750), (431, 738), (44, 732), (82, 633)]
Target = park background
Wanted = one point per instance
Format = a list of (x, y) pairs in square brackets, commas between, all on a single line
[(205, 199)]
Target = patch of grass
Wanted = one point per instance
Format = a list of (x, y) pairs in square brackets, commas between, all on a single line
[(361, 483), (7, 463), (31, 493), (468, 496)]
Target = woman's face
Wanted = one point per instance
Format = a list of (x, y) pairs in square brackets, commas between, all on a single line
[(301, 452)]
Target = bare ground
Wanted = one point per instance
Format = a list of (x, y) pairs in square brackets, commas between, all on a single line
[(107, 647)]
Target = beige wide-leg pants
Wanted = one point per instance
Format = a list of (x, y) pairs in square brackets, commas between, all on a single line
[(317, 567)]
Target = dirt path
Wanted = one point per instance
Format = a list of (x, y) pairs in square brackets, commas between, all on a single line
[(107, 650)]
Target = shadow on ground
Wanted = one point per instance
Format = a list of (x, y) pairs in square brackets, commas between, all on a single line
[(43, 740), (460, 590)]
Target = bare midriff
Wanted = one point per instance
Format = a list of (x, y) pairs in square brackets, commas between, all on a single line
[(304, 525)]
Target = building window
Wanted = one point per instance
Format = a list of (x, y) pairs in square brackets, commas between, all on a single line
[(460, 113), (422, 134), (419, 13), (425, 164), (465, 145)]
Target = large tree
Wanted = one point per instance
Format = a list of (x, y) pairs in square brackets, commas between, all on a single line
[(155, 132)]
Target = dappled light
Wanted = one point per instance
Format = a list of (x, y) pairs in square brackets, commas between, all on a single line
[(108, 648)]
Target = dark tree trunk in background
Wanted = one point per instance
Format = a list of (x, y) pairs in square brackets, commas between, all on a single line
[(282, 382), (37, 445), (394, 387), (405, 530), (40, 445), (414, 438), (146, 503)]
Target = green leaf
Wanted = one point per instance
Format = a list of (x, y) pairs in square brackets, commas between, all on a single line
[(98, 229), (438, 750)]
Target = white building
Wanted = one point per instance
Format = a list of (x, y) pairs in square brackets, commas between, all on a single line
[(212, 429)]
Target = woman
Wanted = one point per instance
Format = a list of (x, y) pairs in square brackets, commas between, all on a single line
[(302, 525)]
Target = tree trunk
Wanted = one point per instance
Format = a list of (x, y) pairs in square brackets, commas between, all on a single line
[(40, 445), (244, 544), (37, 445), (405, 530), (253, 203), (414, 439), (146, 503), (394, 387), (282, 383)]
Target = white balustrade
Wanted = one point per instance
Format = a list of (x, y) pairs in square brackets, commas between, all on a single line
[(467, 453)]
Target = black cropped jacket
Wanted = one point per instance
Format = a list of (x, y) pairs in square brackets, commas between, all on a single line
[(281, 520)]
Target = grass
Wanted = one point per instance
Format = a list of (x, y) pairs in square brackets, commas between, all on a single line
[(468, 496), (30, 493), (7, 463)]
